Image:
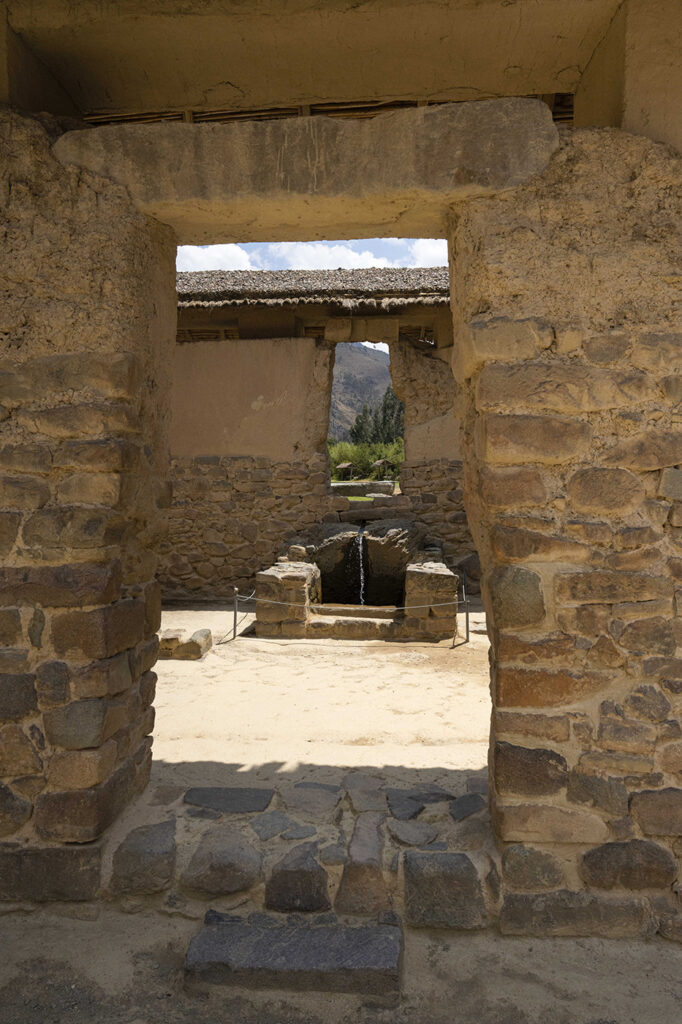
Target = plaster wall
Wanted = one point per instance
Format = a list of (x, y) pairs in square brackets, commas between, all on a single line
[(267, 397)]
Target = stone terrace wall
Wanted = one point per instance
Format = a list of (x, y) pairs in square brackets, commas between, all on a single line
[(86, 332), (231, 516), (570, 358)]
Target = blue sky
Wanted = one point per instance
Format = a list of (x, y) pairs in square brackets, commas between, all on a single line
[(350, 255)]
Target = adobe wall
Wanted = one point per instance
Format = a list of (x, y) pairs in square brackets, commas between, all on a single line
[(568, 310), (86, 340)]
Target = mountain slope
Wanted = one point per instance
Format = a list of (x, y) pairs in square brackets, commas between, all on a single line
[(361, 376)]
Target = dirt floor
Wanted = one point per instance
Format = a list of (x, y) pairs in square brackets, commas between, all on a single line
[(265, 711)]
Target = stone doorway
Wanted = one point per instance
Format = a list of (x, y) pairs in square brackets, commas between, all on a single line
[(565, 362)]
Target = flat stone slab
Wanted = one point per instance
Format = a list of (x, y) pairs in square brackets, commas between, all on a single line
[(230, 799), (323, 958)]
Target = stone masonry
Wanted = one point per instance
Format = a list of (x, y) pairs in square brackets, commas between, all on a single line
[(570, 360), (84, 376)]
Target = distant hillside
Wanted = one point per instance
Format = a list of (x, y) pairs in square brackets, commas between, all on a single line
[(361, 377)]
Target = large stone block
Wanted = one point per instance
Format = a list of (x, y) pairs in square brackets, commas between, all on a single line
[(224, 862), (362, 889), (14, 811), (79, 816), (649, 636), (81, 421), (598, 491), (420, 160), (524, 867), (554, 386), (609, 794), (81, 769), (18, 755), (103, 678), (649, 450), (658, 353), (298, 882), (61, 586), (516, 544), (658, 812), (544, 823), (516, 596), (23, 492), (100, 633), (528, 771), (575, 913), (332, 958), (443, 890), (30, 873), (110, 375), (549, 440), (52, 529), (637, 864), (17, 696), (9, 527), (513, 487), (84, 723), (544, 727), (601, 586), (145, 860), (534, 688)]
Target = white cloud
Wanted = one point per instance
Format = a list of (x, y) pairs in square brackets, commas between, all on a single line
[(214, 257), (429, 252), (320, 256)]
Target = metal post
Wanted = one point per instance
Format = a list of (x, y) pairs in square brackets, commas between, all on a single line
[(234, 622)]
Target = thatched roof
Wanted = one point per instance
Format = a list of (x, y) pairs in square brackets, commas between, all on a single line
[(375, 288)]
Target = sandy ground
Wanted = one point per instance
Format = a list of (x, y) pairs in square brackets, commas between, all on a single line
[(257, 710)]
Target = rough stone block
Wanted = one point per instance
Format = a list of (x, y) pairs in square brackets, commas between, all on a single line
[(18, 755), (524, 867), (598, 491), (51, 529), (298, 882), (533, 688), (544, 727), (9, 527), (657, 352), (81, 769), (528, 771), (561, 387), (543, 823), (549, 440), (670, 484), (413, 833), (105, 489), (23, 492), (628, 735), (363, 889), (517, 597), (104, 678), (99, 633), (607, 793), (443, 890), (330, 958), (79, 816), (14, 811), (658, 812), (600, 586), (49, 873), (638, 864), (10, 626), (230, 800), (145, 860), (649, 636), (649, 450), (64, 586), (575, 913), (224, 862), (512, 544), (17, 696), (83, 723), (81, 421), (512, 487)]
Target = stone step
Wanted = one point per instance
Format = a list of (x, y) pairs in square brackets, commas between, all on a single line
[(346, 627), (357, 611), (298, 957)]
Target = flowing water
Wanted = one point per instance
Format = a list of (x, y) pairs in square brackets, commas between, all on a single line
[(361, 561)]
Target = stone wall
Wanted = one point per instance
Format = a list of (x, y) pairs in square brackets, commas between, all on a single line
[(86, 335), (431, 475), (249, 468), (569, 360), (231, 516)]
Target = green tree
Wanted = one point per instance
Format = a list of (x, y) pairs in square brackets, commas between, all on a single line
[(362, 430), (380, 424)]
